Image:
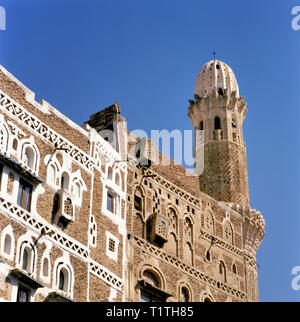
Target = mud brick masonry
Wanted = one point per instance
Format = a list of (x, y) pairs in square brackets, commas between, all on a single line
[(81, 219)]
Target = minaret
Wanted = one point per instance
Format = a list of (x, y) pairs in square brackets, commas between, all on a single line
[(219, 110)]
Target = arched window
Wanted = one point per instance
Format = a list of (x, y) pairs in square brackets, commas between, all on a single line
[(207, 299), (64, 181), (185, 295), (26, 259), (228, 233), (217, 123), (149, 288), (138, 200), (77, 190), (222, 271), (151, 278), (51, 175), (201, 125), (3, 138), (117, 179), (7, 245), (109, 173), (188, 253), (63, 280), (208, 257), (29, 158), (234, 271), (45, 267), (15, 144), (209, 222), (188, 229), (61, 284)]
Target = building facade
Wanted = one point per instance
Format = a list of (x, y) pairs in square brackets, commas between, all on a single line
[(94, 213)]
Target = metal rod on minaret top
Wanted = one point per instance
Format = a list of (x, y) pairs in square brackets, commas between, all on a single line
[(214, 56)]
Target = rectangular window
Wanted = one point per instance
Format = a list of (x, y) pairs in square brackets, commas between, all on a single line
[(23, 294), (110, 202), (24, 195), (111, 245)]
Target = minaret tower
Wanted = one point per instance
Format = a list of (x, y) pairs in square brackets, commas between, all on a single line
[(219, 111)]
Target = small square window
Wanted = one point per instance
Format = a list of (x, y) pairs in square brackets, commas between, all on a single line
[(111, 245)]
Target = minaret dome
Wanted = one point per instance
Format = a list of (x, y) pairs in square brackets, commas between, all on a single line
[(216, 75)]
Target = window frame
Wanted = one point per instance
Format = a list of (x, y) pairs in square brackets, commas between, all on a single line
[(23, 184)]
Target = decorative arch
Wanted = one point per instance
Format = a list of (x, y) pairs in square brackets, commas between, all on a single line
[(52, 173), (63, 275), (45, 272), (172, 214), (188, 224), (184, 292), (26, 254), (65, 180), (156, 273), (8, 242), (228, 232), (209, 222), (188, 255), (78, 186), (30, 156), (171, 246), (4, 135), (117, 179), (139, 199), (222, 271), (206, 297)]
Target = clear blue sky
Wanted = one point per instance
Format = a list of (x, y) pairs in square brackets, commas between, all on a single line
[(82, 56)]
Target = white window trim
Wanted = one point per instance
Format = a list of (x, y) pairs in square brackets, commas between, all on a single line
[(8, 231)]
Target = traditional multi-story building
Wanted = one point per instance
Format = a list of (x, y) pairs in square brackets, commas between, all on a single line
[(195, 238), (62, 203), (94, 213)]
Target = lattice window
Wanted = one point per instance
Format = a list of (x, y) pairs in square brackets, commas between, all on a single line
[(162, 228), (68, 207), (111, 245), (173, 220)]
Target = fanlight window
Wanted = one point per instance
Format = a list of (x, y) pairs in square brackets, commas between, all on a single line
[(29, 158), (7, 244)]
